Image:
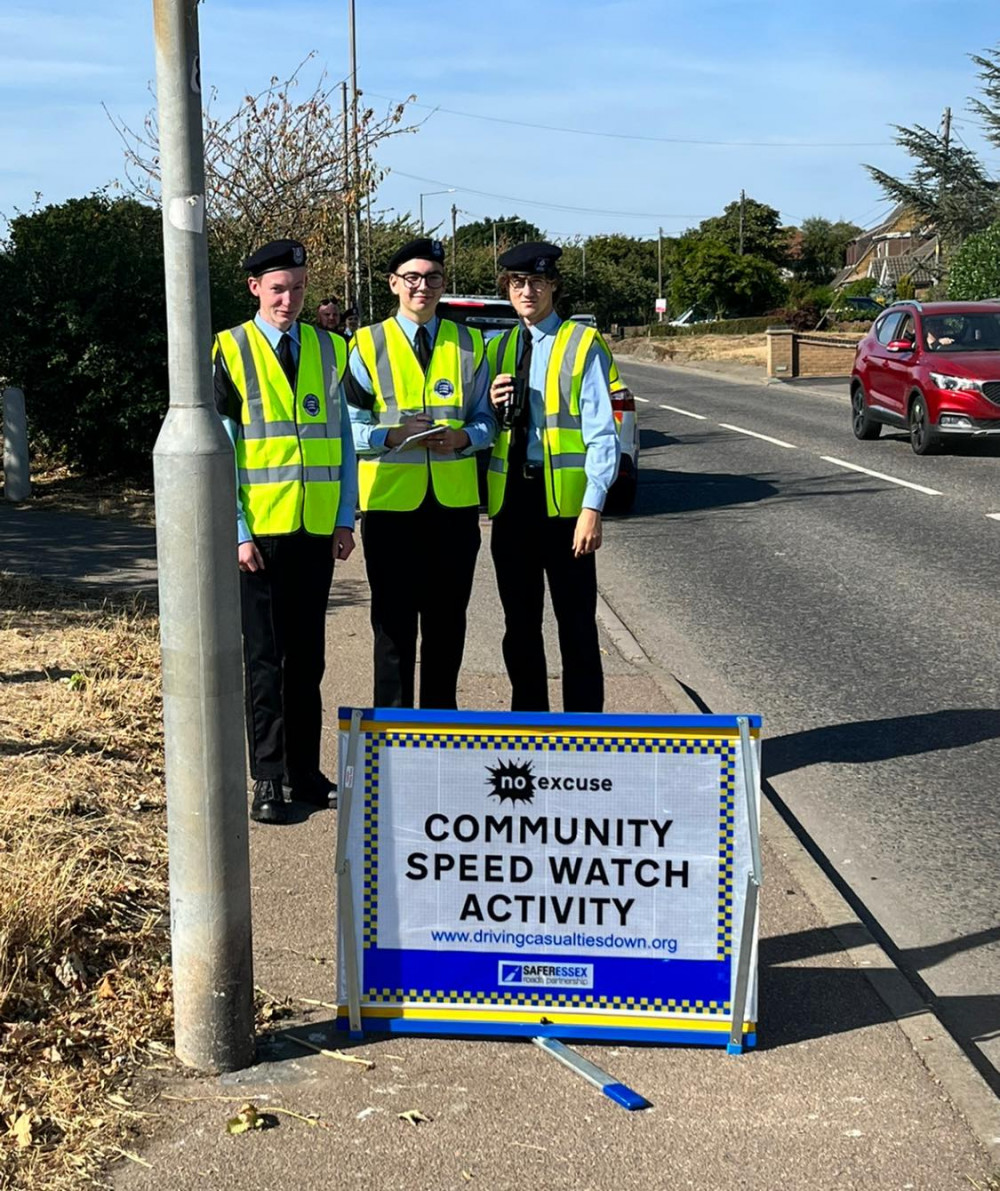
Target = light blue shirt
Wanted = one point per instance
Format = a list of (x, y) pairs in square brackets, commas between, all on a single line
[(348, 459), (369, 436), (597, 421)]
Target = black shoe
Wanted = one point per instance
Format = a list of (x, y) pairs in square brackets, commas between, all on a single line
[(268, 802), (316, 789)]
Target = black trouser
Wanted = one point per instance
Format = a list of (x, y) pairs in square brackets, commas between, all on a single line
[(284, 645), (420, 569), (529, 546)]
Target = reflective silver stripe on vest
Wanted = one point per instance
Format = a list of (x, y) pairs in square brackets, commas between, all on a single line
[(564, 420), (446, 411), (496, 464), (256, 427), (328, 363), (560, 461), (290, 474), (467, 362), (387, 390)]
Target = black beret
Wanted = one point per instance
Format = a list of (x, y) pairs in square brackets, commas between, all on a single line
[(416, 250), (531, 258), (279, 254)]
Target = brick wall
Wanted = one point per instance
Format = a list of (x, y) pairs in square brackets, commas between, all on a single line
[(794, 353)]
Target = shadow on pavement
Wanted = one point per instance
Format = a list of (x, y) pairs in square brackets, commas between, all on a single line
[(881, 740)]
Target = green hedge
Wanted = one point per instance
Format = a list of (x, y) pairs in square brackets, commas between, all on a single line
[(726, 326)]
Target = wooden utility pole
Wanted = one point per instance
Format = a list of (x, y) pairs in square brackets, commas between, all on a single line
[(355, 156), (345, 203), (743, 205), (454, 248)]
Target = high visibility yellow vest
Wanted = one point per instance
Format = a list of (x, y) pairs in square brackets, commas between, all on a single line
[(615, 382), (562, 435), (397, 480), (288, 449)]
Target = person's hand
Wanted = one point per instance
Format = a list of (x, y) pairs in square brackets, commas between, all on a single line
[(587, 536), (343, 543), (250, 558), (415, 425), (502, 389), (448, 442)]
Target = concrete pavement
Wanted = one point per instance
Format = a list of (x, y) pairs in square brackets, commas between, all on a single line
[(854, 1084)]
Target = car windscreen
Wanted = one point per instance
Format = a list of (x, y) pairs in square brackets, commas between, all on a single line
[(978, 331)]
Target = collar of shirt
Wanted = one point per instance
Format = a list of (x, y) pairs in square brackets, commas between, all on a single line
[(548, 326), (410, 327), (272, 334)]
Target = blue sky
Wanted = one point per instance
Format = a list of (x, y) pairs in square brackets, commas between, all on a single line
[(779, 74)]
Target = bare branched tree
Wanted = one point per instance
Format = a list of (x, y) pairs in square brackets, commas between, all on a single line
[(275, 167)]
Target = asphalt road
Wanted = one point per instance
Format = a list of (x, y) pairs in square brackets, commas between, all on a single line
[(858, 614)]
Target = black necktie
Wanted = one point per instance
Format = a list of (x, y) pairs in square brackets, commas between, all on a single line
[(286, 359), (522, 419), (423, 347)]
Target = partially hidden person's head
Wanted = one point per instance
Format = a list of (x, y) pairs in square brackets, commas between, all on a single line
[(531, 280), (328, 314), (351, 319), (277, 279), (416, 277)]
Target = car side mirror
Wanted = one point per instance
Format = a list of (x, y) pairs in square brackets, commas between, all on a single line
[(899, 345)]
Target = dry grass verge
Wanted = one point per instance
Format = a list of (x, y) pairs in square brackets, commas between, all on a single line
[(58, 488), (84, 976), (690, 349)]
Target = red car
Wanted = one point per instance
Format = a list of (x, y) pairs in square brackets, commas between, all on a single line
[(932, 368)]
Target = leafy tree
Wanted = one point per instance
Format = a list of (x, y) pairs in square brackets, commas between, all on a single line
[(85, 329), (707, 274), (948, 187), (509, 230), (975, 268), (988, 108), (276, 167), (763, 235), (620, 282), (821, 248), (864, 287)]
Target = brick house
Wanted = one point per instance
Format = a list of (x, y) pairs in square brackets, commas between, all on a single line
[(900, 246)]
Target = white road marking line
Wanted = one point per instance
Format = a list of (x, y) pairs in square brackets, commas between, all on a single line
[(753, 434), (686, 412), (644, 400), (881, 476), (993, 516)]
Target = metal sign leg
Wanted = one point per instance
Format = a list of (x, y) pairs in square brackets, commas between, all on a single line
[(345, 892)]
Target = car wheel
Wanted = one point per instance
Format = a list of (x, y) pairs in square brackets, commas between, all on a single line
[(621, 496), (923, 440), (862, 423)]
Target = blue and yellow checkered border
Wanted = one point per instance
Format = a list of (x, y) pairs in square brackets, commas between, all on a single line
[(724, 748), (541, 1000)]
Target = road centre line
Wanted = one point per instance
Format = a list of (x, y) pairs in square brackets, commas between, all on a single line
[(686, 412), (753, 434), (881, 476), (644, 400), (993, 516)]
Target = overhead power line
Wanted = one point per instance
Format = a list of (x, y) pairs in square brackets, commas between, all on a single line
[(506, 198), (628, 136)]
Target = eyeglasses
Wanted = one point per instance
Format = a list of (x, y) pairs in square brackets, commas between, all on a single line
[(413, 280), (529, 282)]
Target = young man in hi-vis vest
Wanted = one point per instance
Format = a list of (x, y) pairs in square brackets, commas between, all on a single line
[(279, 389), (420, 409), (555, 458)]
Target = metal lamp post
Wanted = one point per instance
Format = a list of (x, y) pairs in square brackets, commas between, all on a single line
[(427, 194)]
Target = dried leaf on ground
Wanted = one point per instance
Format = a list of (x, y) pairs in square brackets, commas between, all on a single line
[(246, 1119), (414, 1116)]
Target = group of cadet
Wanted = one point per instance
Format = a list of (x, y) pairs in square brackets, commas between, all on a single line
[(390, 420)]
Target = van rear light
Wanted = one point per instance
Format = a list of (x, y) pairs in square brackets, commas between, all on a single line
[(622, 401)]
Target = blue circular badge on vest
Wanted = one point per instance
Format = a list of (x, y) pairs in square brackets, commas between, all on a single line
[(310, 404), (444, 388)]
